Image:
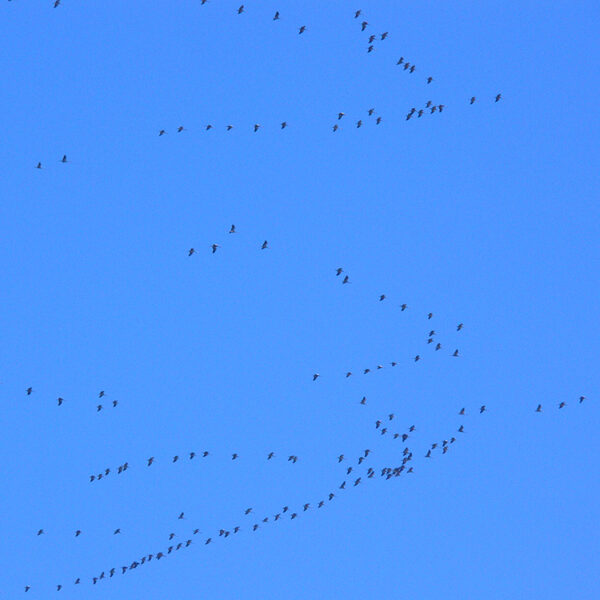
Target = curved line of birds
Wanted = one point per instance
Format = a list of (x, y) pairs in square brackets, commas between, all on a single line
[(387, 473)]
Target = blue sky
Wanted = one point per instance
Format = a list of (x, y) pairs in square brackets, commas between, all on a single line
[(485, 215)]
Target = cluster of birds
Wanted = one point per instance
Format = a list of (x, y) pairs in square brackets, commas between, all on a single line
[(60, 400), (292, 458), (215, 247)]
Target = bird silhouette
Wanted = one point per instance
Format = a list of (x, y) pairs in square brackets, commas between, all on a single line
[(346, 279), (240, 9), (315, 376), (214, 248), (562, 405), (539, 408), (302, 29), (284, 125), (276, 17), (498, 97), (482, 409), (234, 456), (429, 79), (384, 35), (256, 127), (38, 166), (363, 25), (473, 100)]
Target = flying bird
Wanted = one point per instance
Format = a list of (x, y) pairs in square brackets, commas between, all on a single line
[(378, 120), (265, 245), (38, 166), (346, 279), (363, 25), (315, 376), (539, 408), (240, 9), (276, 17), (382, 297), (403, 307), (60, 401), (256, 127), (482, 409), (234, 456), (498, 97), (335, 127), (161, 132), (357, 14), (181, 515), (455, 353), (214, 248), (562, 405), (29, 390), (459, 327), (429, 79), (302, 29), (384, 35), (191, 251), (180, 129), (232, 230), (284, 125)]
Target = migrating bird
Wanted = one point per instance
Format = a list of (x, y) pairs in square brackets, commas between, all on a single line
[(539, 408), (430, 315), (403, 307), (302, 29), (271, 455), (429, 79), (191, 251), (180, 516), (256, 127), (459, 327), (60, 401), (214, 248), (357, 14), (363, 25), (382, 297), (482, 409), (150, 460), (240, 9), (29, 390), (101, 394), (417, 358), (315, 376), (462, 411), (562, 405), (384, 35), (234, 456), (346, 279), (363, 400), (180, 129), (161, 132), (581, 399), (473, 100), (38, 166), (455, 352), (284, 125), (335, 127), (276, 17), (400, 60), (378, 120), (358, 124), (339, 271), (232, 230), (117, 531), (265, 245), (498, 97)]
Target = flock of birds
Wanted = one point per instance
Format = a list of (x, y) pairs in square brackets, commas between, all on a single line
[(359, 469)]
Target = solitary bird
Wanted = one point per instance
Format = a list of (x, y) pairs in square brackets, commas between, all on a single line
[(363, 400), (562, 405), (241, 9), (150, 460), (459, 327), (117, 531), (539, 408), (473, 100), (232, 229), (382, 297), (29, 390), (455, 352), (315, 376), (498, 97), (191, 251), (271, 455), (60, 401), (214, 248), (229, 127), (181, 515), (38, 166), (482, 409), (358, 124), (417, 358), (581, 399), (302, 29), (363, 25), (276, 17), (40, 531), (348, 374), (265, 245), (430, 315), (403, 307), (284, 125), (429, 79), (234, 456), (78, 533), (256, 127), (175, 458)]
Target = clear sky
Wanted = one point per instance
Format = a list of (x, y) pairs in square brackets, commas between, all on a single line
[(485, 214)]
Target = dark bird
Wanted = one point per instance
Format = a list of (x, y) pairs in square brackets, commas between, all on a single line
[(430, 315), (191, 251), (539, 408), (161, 132), (433, 109), (420, 113), (412, 69), (377, 424), (393, 363), (378, 120), (400, 60), (175, 458), (331, 496), (40, 531), (116, 531), (339, 271), (482, 409), (28, 587), (403, 307), (284, 125), (205, 453), (180, 129), (348, 374), (581, 399), (357, 14), (562, 405), (343, 485), (363, 400), (241, 9), (438, 346), (371, 39), (64, 158), (208, 541), (285, 509), (78, 533), (209, 127), (271, 455), (256, 127), (498, 97), (459, 327), (232, 229), (441, 107), (370, 49), (357, 482), (99, 408), (234, 456), (384, 35), (247, 511), (38, 166), (92, 477), (101, 394), (77, 581), (29, 390), (348, 470), (358, 123), (340, 115), (265, 245), (417, 358), (473, 100), (171, 536), (60, 401), (340, 458), (276, 17), (315, 376), (306, 506), (455, 353), (429, 79), (391, 416), (366, 371), (363, 25), (461, 429), (302, 29), (346, 279), (181, 515), (335, 127), (462, 411), (382, 297), (406, 66), (115, 402), (214, 248), (321, 503), (293, 515), (192, 455), (229, 127), (255, 527)]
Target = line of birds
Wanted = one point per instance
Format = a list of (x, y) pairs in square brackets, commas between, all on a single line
[(60, 400), (215, 247), (292, 458)]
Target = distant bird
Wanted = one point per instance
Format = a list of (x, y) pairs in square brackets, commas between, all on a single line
[(40, 531), (255, 527), (370, 49), (302, 29), (175, 458), (581, 399), (117, 531), (99, 408), (400, 60), (256, 127), (441, 107), (171, 536), (348, 374), (315, 376), (430, 315), (191, 251), (378, 120), (562, 405), (343, 485), (403, 307), (205, 453), (363, 25), (60, 401), (78, 533), (357, 14), (340, 115), (180, 129), (433, 109), (271, 455), (417, 358), (429, 79), (101, 394), (340, 458), (241, 9), (420, 113), (276, 17), (209, 127), (363, 400), (462, 411), (321, 503), (77, 581), (38, 166), (539, 408), (150, 460), (214, 248), (455, 353), (161, 132), (232, 229), (339, 271), (438, 346), (234, 456), (461, 429), (412, 68), (265, 245), (114, 403), (285, 509), (346, 279), (393, 363), (382, 297), (192, 455), (391, 416), (181, 515), (28, 587), (358, 124), (293, 458), (384, 35), (335, 127), (429, 103), (29, 390), (284, 125), (371, 111), (473, 100), (459, 327), (92, 477), (306, 506), (366, 371), (377, 424), (208, 541), (498, 97), (229, 127), (331, 496), (428, 455), (482, 409)]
